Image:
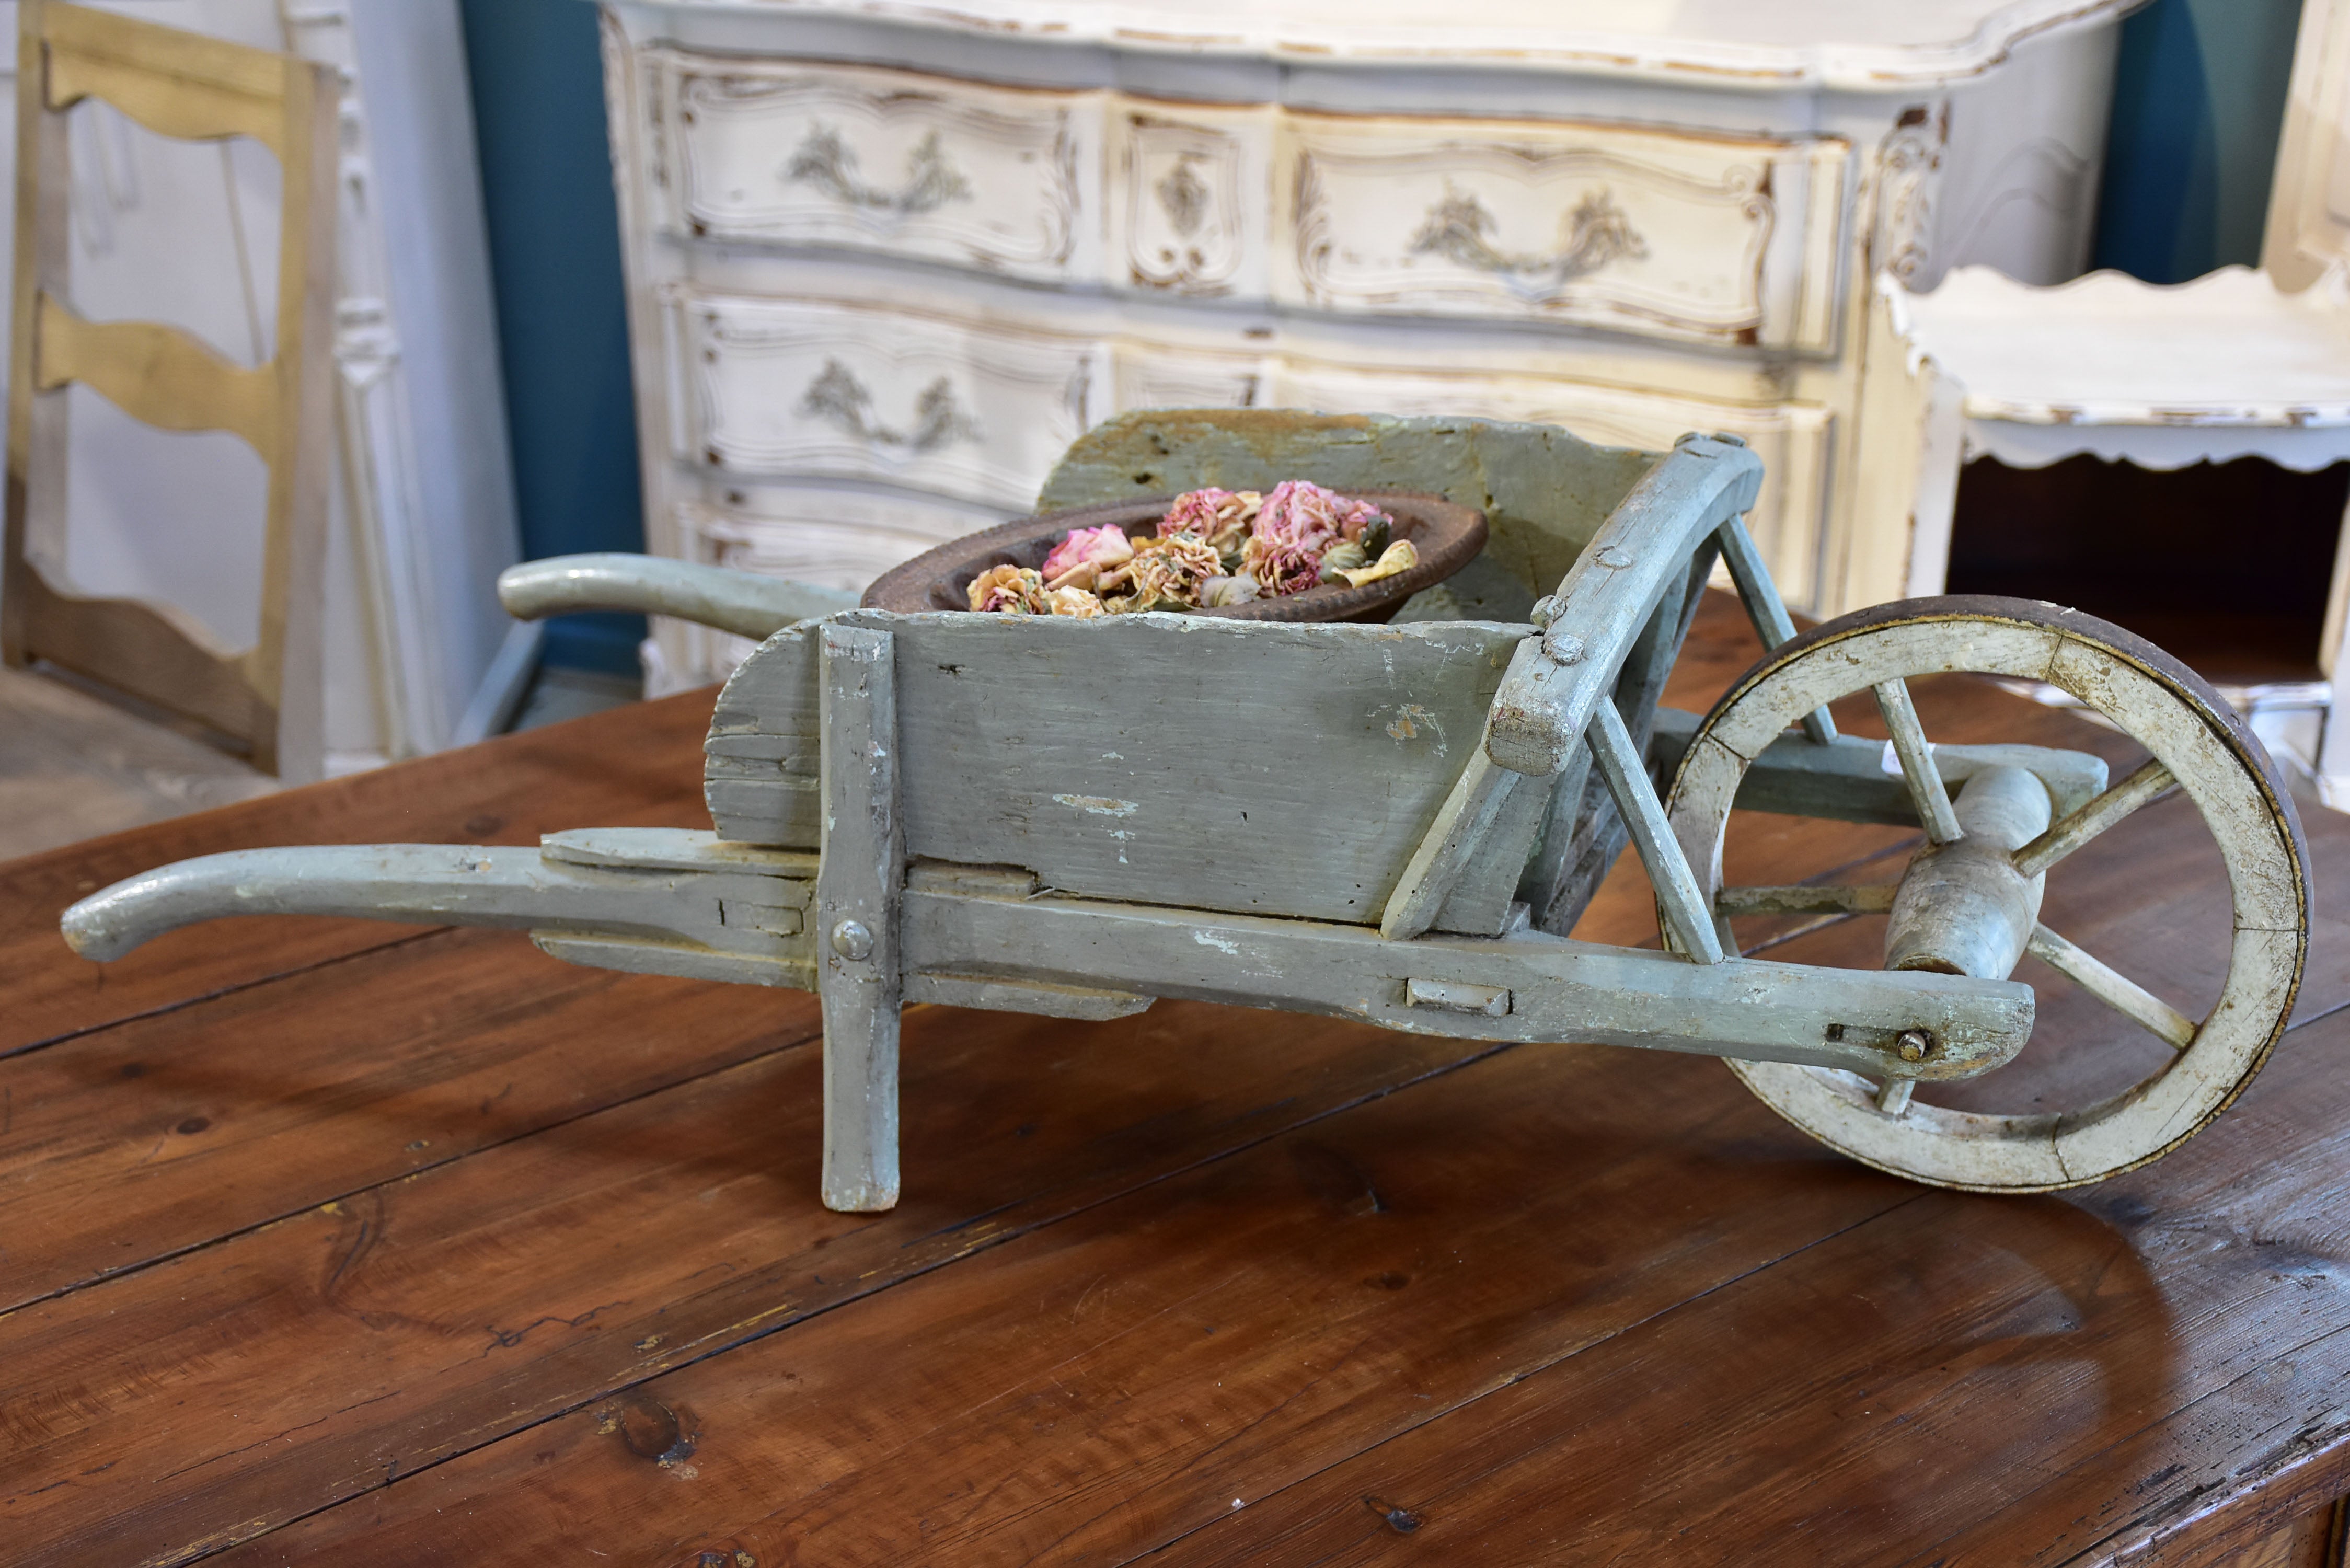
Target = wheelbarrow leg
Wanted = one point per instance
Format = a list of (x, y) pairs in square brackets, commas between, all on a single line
[(858, 897)]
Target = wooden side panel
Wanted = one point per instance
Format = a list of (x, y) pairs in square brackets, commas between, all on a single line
[(1275, 769)]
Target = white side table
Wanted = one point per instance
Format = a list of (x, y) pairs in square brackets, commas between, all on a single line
[(2228, 365)]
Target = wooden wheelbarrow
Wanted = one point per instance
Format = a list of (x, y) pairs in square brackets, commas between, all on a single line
[(1390, 823)]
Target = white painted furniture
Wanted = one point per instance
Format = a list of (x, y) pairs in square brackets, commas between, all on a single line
[(418, 654), (2237, 363), (886, 261)]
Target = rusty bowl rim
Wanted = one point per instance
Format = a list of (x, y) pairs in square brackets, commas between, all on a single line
[(1459, 534)]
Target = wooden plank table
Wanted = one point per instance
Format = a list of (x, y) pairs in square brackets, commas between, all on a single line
[(335, 1242)]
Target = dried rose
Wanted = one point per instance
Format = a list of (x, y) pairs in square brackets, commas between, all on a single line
[(1284, 569), (1221, 517), (1074, 602), (1095, 547), (1166, 572), (1298, 511), (1009, 590), (1217, 592), (1395, 560)]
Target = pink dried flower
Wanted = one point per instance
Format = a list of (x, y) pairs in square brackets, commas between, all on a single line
[(1298, 511), (1097, 547), (1220, 517), (1286, 569), (1009, 590), (1166, 572)]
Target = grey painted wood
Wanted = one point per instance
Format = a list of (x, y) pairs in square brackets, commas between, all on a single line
[(1759, 592), (1846, 780), (2149, 783), (744, 603), (1463, 826), (1687, 913), (680, 892), (1277, 768), (858, 893), (1086, 1003), (1966, 908), (1927, 791), (1544, 492), (2113, 988), (1605, 600), (1560, 990), (762, 758)]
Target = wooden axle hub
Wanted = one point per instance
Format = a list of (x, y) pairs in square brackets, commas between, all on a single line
[(1963, 907)]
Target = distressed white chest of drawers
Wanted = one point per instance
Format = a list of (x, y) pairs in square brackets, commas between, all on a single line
[(887, 259)]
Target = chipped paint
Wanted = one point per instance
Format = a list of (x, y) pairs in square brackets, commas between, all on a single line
[(1222, 944), (1099, 805), (1411, 719)]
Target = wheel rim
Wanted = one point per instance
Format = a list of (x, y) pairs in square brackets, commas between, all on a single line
[(2186, 726)]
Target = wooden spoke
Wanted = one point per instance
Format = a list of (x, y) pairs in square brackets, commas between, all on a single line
[(1894, 1098), (1678, 894), (1804, 899), (1931, 797), (2115, 990), (1766, 609), (2143, 787)]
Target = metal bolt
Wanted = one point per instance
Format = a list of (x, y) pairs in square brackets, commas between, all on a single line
[(851, 941), (1546, 610), (1563, 647), (1913, 1044)]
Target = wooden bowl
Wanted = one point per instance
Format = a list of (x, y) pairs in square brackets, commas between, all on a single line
[(1447, 536)]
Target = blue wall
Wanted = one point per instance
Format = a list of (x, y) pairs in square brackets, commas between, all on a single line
[(2199, 97), (555, 261)]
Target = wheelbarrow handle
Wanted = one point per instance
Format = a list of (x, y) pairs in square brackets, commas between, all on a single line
[(665, 885), (744, 603)]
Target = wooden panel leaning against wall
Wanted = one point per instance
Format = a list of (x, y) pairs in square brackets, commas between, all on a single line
[(417, 655)]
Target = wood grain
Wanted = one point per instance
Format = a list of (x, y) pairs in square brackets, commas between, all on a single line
[(138, 1142), (629, 767), (1389, 1295), (422, 1317)]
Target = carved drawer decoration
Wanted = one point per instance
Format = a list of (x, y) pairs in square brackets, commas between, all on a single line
[(1791, 438), (1688, 236), (874, 159), (1188, 203), (792, 387)]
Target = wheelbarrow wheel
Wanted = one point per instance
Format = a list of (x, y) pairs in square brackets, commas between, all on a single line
[(2117, 1074)]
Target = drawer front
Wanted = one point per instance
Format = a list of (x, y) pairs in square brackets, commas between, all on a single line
[(1687, 235), (1157, 376), (805, 389), (1187, 206), (1792, 438), (871, 159), (825, 538)]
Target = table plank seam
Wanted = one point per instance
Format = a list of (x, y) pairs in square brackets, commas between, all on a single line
[(983, 1243), (1529, 1373), (10, 1053), (813, 1035)]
